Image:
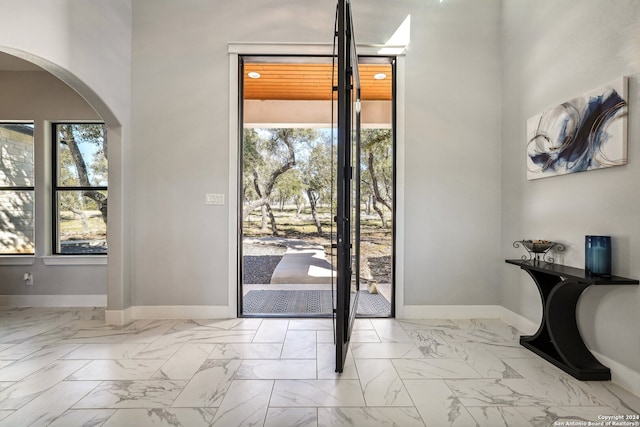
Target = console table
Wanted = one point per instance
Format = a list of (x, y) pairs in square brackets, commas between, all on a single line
[(558, 339)]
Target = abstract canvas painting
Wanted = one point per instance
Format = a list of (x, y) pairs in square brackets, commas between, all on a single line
[(588, 132)]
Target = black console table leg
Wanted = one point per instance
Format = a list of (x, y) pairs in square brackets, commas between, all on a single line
[(541, 339), (560, 312), (558, 338)]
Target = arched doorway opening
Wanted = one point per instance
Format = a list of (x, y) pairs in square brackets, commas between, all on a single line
[(30, 70)]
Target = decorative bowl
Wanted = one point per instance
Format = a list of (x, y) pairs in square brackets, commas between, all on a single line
[(538, 246)]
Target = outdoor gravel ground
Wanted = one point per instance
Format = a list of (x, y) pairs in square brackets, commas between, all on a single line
[(259, 261)]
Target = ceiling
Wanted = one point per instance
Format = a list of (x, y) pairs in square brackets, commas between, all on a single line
[(306, 81)]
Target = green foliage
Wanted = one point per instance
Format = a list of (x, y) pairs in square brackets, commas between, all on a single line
[(290, 165), (288, 186), (317, 170), (250, 155), (268, 159)]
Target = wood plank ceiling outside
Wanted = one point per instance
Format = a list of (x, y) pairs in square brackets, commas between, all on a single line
[(310, 82)]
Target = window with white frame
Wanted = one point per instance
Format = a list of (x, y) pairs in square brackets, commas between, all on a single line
[(80, 184), (17, 191)]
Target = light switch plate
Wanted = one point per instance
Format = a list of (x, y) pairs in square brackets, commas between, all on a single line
[(214, 199)]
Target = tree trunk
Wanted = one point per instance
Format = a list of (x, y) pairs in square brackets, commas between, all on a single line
[(380, 213), (83, 219), (268, 187), (314, 212), (274, 227), (101, 200), (252, 207), (263, 210), (374, 184)]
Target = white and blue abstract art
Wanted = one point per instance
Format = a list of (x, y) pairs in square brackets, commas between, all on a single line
[(588, 132)]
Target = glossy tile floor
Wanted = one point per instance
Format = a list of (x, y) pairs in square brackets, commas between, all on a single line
[(66, 368)]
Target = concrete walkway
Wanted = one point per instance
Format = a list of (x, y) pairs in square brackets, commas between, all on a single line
[(303, 263), (304, 266)]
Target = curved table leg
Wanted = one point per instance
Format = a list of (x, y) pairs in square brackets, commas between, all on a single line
[(558, 338), (562, 324), (545, 283)]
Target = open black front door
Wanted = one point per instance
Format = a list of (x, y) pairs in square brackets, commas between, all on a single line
[(348, 183)]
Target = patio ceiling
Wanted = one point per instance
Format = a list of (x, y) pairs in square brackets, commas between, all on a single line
[(310, 82)]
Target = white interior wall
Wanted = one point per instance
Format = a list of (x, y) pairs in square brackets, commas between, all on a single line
[(554, 50)]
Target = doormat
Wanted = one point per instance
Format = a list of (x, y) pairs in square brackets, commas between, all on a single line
[(317, 303)]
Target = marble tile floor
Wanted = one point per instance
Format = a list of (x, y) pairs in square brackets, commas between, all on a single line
[(65, 367)]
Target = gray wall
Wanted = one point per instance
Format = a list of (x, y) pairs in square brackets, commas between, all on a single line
[(181, 139), (554, 50), (452, 154), (39, 97)]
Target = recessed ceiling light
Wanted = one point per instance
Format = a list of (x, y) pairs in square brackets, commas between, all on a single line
[(380, 76), (253, 75)]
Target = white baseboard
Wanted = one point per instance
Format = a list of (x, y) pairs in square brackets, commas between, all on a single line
[(181, 312), (470, 312), (517, 321), (452, 311), (621, 375), (118, 317), (121, 317), (53, 300)]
